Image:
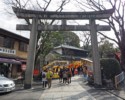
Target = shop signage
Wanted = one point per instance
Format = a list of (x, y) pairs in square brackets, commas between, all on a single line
[(7, 51)]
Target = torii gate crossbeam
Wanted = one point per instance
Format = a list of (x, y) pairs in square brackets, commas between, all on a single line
[(63, 28), (29, 14)]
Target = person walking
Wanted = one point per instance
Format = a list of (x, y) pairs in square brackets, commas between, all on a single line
[(49, 78), (44, 80), (69, 75), (60, 75), (78, 70), (72, 69), (22, 77), (85, 73), (65, 76)]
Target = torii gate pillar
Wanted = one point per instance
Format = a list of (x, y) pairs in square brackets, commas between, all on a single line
[(95, 52), (31, 54)]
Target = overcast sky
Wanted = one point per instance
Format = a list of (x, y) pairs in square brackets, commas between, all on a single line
[(8, 21)]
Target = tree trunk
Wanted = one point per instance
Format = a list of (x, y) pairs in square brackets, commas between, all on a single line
[(122, 48), (123, 58)]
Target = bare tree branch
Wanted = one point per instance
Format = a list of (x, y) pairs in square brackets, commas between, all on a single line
[(84, 4), (109, 38), (60, 9), (47, 5), (25, 3), (18, 2), (39, 5), (112, 25)]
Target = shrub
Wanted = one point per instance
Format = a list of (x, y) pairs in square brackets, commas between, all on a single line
[(111, 67)]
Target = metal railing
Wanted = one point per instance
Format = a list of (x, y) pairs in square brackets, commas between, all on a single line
[(119, 78)]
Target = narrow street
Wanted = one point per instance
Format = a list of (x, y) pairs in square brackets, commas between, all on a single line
[(77, 90)]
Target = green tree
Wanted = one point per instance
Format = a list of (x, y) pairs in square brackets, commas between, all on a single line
[(86, 40), (56, 39), (106, 49), (70, 38), (44, 46), (111, 68)]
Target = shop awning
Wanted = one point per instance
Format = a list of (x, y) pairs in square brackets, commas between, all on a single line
[(10, 61)]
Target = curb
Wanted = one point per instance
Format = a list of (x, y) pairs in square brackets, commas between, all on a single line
[(116, 95)]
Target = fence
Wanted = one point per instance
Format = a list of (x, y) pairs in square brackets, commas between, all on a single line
[(119, 78)]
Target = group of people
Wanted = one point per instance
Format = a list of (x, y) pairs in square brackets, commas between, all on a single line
[(65, 75), (47, 78)]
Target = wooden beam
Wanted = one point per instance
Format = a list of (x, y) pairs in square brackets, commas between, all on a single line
[(63, 28), (23, 13)]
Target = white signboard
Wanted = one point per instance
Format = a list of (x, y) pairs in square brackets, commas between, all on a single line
[(7, 51)]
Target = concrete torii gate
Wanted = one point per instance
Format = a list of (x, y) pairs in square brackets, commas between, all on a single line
[(35, 27)]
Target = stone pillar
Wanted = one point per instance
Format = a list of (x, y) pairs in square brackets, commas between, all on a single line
[(64, 22), (31, 55), (95, 52)]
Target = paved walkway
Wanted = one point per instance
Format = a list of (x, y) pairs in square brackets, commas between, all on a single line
[(61, 91), (77, 90), (119, 93)]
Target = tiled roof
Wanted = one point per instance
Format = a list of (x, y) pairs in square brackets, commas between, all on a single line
[(5, 32), (69, 47)]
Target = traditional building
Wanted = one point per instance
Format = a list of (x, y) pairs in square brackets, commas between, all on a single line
[(70, 52), (13, 53)]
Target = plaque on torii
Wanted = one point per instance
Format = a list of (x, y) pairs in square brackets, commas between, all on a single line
[(35, 27)]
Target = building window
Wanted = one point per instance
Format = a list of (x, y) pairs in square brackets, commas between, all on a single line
[(23, 46), (1, 41), (8, 43)]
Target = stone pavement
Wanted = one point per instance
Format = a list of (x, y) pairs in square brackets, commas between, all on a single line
[(61, 91), (119, 93), (77, 90)]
